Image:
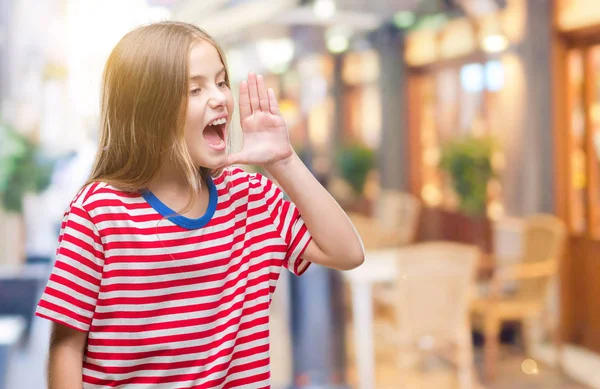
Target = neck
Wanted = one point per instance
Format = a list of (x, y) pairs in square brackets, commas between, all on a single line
[(170, 186), (169, 178)]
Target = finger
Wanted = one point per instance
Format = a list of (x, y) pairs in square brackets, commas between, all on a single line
[(253, 92), (245, 109), (263, 97), (273, 105)]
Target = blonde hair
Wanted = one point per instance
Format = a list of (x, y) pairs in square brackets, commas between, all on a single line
[(144, 106)]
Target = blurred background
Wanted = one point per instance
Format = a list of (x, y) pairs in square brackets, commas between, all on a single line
[(461, 136)]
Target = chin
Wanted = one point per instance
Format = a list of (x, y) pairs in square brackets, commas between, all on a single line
[(213, 162)]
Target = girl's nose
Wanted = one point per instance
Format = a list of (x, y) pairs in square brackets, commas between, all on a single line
[(217, 99)]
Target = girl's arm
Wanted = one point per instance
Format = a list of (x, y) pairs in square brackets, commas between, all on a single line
[(65, 358), (335, 244)]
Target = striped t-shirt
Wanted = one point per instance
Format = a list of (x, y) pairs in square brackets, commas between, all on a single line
[(173, 302)]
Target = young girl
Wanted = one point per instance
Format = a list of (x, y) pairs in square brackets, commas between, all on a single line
[(142, 296)]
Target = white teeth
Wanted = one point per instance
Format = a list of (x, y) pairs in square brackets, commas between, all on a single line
[(218, 122)]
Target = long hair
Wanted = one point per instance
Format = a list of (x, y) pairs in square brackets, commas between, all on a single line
[(144, 106)]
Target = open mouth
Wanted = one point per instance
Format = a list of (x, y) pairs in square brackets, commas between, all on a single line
[(214, 133)]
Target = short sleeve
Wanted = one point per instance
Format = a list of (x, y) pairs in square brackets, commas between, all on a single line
[(72, 290), (288, 222)]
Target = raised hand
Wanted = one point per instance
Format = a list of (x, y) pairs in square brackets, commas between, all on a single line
[(266, 140)]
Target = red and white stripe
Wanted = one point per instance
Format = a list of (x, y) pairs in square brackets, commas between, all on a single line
[(167, 307)]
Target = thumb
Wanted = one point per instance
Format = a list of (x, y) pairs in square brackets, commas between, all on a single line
[(236, 158)]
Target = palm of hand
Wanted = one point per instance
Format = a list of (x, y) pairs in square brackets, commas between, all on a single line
[(266, 140)]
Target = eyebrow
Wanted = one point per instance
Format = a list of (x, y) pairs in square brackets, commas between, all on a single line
[(201, 77)]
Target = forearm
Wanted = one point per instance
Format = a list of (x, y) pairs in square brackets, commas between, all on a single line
[(65, 369), (326, 221), (65, 358)]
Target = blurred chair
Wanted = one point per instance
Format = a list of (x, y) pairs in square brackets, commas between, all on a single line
[(507, 240), (394, 223), (435, 287), (544, 238)]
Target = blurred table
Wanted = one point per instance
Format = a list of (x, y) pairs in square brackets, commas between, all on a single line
[(380, 267)]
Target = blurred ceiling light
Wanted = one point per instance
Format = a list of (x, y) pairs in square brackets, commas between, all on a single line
[(324, 9), (337, 39), (404, 19), (529, 367), (276, 54), (495, 43), (338, 44)]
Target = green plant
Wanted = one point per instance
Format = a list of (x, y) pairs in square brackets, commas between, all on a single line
[(355, 161), (468, 162), (23, 169)]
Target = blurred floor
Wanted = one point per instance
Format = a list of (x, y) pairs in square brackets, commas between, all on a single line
[(27, 369), (27, 364), (510, 374)]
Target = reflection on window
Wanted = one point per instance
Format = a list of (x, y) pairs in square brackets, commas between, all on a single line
[(360, 73), (431, 191), (446, 94), (594, 149), (494, 76), (471, 113), (471, 78), (456, 101), (577, 153)]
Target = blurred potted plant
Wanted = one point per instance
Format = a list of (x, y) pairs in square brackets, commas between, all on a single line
[(355, 162), (468, 162), (24, 169)]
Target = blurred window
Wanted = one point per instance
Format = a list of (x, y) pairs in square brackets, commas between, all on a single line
[(455, 100), (583, 68)]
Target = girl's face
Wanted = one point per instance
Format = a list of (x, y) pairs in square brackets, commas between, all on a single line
[(210, 106)]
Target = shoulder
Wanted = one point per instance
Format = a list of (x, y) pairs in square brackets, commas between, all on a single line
[(98, 196)]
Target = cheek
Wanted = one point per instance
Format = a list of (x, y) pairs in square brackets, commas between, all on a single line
[(195, 111)]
